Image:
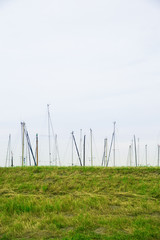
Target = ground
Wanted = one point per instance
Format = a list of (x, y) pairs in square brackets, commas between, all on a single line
[(80, 203)]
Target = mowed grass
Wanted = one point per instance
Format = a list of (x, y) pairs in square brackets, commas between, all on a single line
[(80, 203)]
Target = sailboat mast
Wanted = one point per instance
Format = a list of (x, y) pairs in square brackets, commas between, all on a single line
[(135, 148), (23, 132), (84, 151), (114, 144), (91, 148), (158, 154), (146, 153), (49, 136), (37, 149)]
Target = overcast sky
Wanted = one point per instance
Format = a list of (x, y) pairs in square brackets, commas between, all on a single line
[(94, 61)]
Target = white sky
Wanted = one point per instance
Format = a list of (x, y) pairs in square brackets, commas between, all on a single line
[(94, 61)]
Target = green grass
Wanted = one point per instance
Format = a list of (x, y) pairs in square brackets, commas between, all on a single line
[(80, 203)]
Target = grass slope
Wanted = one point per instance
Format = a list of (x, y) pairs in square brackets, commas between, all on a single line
[(79, 203)]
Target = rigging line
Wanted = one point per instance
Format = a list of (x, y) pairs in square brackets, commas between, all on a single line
[(67, 147), (58, 154), (97, 153)]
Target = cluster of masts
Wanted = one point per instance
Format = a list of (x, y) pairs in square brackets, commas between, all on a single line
[(30, 158)]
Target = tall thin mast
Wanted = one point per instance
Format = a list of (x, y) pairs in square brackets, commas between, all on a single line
[(11, 159), (57, 151), (114, 144), (8, 155), (23, 132), (146, 153), (84, 151), (158, 154), (135, 148), (130, 154), (72, 150), (80, 145), (105, 155), (91, 148), (49, 136), (138, 157), (110, 149), (37, 149), (76, 148)]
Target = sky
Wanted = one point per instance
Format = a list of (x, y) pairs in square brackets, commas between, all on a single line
[(94, 62)]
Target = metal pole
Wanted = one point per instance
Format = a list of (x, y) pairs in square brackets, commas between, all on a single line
[(114, 145), (146, 153), (49, 140), (110, 149), (135, 148), (158, 154), (84, 150), (76, 148), (11, 159), (80, 147), (37, 149), (130, 154), (138, 151), (72, 149), (23, 131), (106, 148), (91, 148)]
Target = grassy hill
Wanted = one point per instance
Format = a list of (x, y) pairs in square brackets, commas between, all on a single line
[(80, 203)]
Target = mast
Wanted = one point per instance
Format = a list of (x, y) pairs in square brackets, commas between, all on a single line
[(49, 140), (138, 158), (114, 144), (57, 151), (8, 155), (72, 149), (91, 148), (130, 154), (37, 149), (135, 148), (76, 148), (23, 131), (105, 152), (84, 150), (11, 159), (146, 153), (80, 146), (158, 154), (110, 149)]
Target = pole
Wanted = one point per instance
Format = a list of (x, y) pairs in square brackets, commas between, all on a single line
[(146, 153), (49, 140), (84, 150), (114, 144), (80, 147), (76, 148), (37, 149), (72, 149), (135, 148), (138, 152), (11, 159), (110, 149), (91, 148), (130, 154), (105, 156), (23, 131), (158, 154)]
